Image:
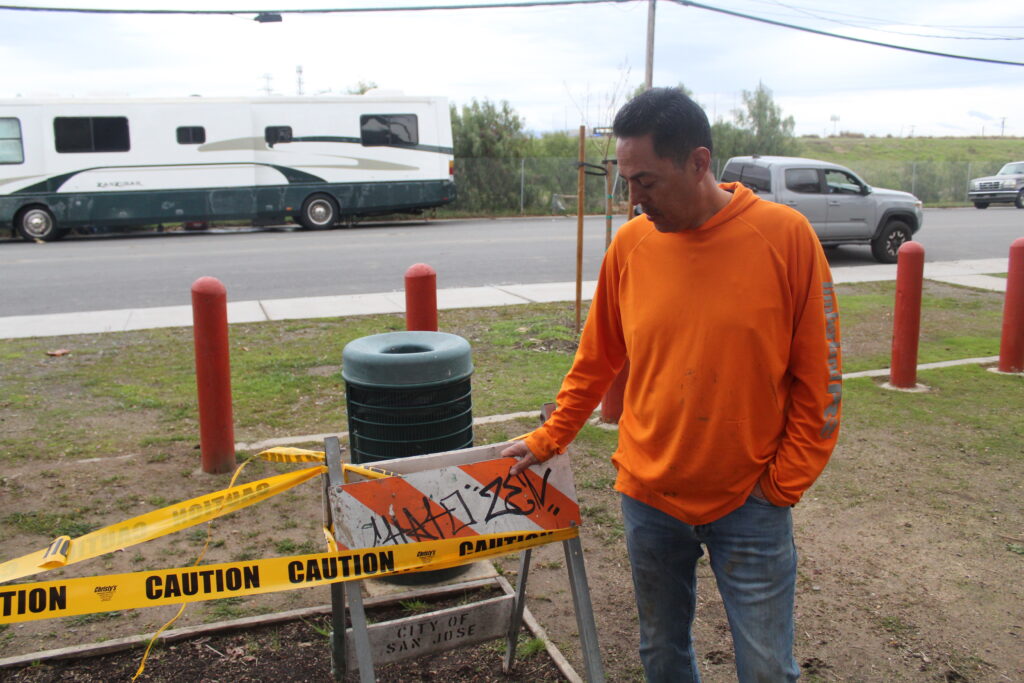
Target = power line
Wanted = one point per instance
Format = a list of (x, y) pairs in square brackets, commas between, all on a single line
[(528, 3), (334, 10), (877, 20), (687, 3), (873, 24)]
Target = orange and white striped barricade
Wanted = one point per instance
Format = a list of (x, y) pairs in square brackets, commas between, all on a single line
[(456, 507)]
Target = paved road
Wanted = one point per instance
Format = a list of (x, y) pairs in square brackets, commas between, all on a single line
[(147, 270)]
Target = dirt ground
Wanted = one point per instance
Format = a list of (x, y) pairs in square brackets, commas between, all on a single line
[(296, 650), (911, 551), (913, 582)]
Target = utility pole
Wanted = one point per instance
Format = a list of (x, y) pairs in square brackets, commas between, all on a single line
[(298, 80), (1002, 127), (266, 84), (649, 71)]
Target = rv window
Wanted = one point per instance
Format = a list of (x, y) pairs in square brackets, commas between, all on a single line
[(10, 142), (191, 135), (91, 134), (389, 130), (276, 134)]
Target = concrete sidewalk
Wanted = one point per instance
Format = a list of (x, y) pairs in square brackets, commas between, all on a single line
[(963, 273)]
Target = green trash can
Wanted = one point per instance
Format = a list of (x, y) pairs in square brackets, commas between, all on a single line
[(408, 393)]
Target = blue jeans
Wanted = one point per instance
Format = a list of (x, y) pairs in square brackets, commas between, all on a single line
[(754, 560)]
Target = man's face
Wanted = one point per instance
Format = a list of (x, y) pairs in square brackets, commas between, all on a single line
[(665, 189)]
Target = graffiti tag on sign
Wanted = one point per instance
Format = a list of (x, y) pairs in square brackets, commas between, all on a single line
[(458, 501)]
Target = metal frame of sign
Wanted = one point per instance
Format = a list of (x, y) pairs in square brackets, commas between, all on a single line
[(498, 617)]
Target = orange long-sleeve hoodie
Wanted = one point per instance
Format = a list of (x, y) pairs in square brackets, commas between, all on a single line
[(732, 332)]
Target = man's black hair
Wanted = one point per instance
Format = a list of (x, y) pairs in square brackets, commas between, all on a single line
[(676, 124)]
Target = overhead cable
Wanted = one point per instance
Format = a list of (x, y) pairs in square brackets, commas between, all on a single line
[(741, 15), (527, 3), (325, 10)]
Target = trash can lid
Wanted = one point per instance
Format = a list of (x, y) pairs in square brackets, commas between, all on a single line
[(403, 359)]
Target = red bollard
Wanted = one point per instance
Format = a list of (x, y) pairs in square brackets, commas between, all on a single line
[(1011, 345), (213, 375), (611, 404), (906, 324), (421, 298)]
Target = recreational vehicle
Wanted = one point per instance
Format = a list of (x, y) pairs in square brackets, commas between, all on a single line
[(322, 161)]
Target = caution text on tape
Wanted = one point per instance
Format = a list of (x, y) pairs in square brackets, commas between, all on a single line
[(110, 592)]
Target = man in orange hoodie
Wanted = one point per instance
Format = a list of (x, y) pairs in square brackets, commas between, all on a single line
[(724, 305)]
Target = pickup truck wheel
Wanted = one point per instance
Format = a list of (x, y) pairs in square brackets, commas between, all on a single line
[(36, 223), (886, 246), (980, 205), (1019, 201), (319, 212)]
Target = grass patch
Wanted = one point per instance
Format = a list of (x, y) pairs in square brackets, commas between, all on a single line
[(279, 385), (415, 606), (955, 323), (226, 608), (47, 524), (981, 432), (896, 626), (83, 619), (290, 547), (953, 454), (531, 647), (321, 628)]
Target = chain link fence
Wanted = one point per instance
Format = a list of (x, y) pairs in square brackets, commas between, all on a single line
[(531, 186), (547, 185), (933, 182)]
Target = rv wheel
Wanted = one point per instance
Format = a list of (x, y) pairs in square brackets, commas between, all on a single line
[(36, 224), (319, 212)]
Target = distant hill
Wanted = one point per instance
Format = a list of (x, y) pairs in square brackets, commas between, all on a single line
[(841, 150)]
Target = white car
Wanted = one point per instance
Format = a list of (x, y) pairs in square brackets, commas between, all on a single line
[(1006, 187)]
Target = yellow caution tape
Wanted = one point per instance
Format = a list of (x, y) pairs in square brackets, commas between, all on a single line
[(365, 471), (332, 545), (65, 550), (197, 562), (88, 595), (285, 454), (56, 554)]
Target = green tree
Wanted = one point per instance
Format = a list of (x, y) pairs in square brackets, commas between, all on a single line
[(730, 141), (759, 128), (770, 132), (489, 144)]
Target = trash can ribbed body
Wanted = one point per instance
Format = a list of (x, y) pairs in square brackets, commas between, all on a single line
[(408, 393)]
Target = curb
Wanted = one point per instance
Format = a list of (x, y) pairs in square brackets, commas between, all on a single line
[(967, 273)]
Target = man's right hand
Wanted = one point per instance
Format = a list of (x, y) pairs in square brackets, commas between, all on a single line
[(526, 458)]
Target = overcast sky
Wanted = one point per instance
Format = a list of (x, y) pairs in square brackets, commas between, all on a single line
[(557, 66)]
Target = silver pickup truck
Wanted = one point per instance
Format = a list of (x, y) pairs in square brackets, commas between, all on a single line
[(842, 208), (1007, 186)]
